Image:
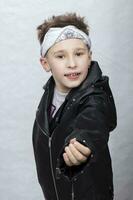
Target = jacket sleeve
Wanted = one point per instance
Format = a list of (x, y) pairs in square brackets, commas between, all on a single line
[(91, 127)]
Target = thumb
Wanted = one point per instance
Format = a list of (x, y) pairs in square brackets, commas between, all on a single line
[(72, 140)]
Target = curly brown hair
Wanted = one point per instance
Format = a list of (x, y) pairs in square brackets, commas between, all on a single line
[(61, 21)]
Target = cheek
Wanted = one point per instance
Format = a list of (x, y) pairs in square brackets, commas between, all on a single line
[(85, 60), (85, 63), (57, 70)]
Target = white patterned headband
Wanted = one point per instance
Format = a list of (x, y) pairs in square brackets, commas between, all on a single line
[(57, 34)]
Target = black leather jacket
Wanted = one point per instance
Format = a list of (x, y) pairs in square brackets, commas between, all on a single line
[(89, 114)]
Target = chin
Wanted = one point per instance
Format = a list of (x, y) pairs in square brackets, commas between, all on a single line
[(74, 85)]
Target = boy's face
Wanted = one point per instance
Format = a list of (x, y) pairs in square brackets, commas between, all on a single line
[(68, 62)]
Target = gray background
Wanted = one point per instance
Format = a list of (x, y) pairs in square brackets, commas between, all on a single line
[(22, 78)]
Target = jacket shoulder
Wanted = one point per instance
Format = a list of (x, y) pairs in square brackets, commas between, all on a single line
[(99, 95)]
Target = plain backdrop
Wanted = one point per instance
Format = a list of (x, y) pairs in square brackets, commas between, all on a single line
[(22, 79)]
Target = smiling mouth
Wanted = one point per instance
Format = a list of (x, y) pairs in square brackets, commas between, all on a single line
[(72, 74)]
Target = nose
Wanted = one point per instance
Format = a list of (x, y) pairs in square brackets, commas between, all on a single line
[(71, 62)]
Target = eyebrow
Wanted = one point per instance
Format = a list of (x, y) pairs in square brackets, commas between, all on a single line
[(63, 50)]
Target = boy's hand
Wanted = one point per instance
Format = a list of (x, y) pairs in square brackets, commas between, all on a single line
[(75, 153)]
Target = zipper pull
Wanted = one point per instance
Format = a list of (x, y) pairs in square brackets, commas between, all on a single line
[(73, 196), (49, 142), (58, 171)]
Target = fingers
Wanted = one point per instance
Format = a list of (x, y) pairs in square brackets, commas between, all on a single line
[(79, 156), (73, 140), (71, 156), (82, 148), (67, 160), (76, 153)]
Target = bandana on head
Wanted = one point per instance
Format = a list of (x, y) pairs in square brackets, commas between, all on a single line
[(57, 34)]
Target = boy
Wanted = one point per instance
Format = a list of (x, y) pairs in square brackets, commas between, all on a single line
[(74, 117)]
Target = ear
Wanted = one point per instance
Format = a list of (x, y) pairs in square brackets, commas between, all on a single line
[(45, 64), (90, 57)]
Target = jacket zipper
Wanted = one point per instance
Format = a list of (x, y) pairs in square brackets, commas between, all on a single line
[(50, 138), (72, 191), (51, 163)]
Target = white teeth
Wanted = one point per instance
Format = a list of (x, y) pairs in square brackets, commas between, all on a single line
[(73, 74)]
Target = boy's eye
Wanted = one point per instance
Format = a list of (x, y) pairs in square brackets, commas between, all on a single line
[(60, 56), (79, 53)]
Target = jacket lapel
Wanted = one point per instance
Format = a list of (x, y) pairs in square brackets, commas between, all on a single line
[(42, 116)]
